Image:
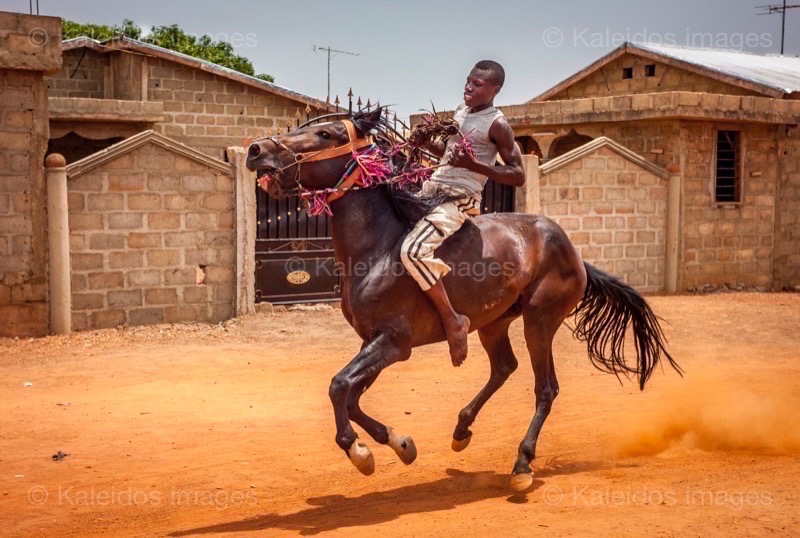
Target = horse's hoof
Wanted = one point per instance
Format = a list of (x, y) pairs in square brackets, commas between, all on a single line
[(404, 447), (361, 456), (407, 451), (458, 446), (522, 481)]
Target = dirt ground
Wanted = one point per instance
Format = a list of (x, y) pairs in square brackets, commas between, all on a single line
[(182, 430)]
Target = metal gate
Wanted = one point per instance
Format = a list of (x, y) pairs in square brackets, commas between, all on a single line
[(497, 198), (294, 253)]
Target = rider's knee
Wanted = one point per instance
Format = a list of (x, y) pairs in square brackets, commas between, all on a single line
[(405, 257)]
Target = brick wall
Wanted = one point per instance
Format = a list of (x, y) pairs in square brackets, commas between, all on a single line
[(610, 81), (204, 111), (81, 75), (23, 227), (211, 113), (29, 47), (642, 137), (786, 265), (728, 245), (614, 211), (151, 240), (731, 246)]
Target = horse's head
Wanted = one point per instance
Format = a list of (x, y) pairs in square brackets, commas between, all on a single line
[(312, 157)]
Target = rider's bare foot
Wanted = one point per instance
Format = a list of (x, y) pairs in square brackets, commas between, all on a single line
[(457, 332)]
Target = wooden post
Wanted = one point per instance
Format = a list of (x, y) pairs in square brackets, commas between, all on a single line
[(671, 255), (245, 197), (58, 237), (526, 198)]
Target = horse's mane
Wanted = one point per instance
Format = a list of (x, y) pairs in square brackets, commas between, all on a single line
[(406, 200), (409, 206)]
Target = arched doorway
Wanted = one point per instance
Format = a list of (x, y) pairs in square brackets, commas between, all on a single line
[(75, 147), (529, 146), (567, 143)]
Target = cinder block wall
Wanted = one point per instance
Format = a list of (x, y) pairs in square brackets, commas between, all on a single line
[(211, 113), (23, 257), (614, 211), (786, 265), (610, 81), (81, 76), (724, 245), (204, 111), (152, 240), (720, 246), (28, 47)]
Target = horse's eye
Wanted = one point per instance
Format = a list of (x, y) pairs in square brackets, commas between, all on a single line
[(325, 134)]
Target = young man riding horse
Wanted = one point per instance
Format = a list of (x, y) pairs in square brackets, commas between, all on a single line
[(543, 281), (462, 179)]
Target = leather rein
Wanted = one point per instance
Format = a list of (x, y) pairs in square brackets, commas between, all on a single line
[(352, 173)]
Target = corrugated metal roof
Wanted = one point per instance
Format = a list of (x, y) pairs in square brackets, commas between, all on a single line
[(779, 72)]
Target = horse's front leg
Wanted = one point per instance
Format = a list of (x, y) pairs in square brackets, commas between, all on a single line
[(403, 445), (374, 356)]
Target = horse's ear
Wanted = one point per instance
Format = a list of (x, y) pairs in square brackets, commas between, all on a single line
[(366, 121)]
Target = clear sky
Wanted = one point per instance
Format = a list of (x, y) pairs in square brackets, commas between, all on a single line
[(412, 52)]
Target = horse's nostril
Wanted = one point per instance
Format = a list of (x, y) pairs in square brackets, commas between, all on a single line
[(254, 150)]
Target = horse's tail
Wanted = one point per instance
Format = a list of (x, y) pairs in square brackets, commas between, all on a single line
[(602, 317)]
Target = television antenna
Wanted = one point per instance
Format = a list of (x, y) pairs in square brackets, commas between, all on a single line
[(778, 8), (335, 52)]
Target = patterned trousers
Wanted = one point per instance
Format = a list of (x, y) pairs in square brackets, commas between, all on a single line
[(417, 252)]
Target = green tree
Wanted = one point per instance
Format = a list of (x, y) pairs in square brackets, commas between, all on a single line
[(169, 37), (100, 32)]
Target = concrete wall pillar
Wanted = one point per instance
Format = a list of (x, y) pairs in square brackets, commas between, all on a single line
[(672, 254), (58, 240), (526, 199), (245, 200)]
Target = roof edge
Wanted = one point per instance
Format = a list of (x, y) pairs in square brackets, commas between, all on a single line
[(716, 74), (119, 149), (80, 42), (596, 144), (633, 48)]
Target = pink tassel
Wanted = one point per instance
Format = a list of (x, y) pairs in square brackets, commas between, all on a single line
[(465, 145), (375, 168), (263, 181), (415, 174), (318, 204)]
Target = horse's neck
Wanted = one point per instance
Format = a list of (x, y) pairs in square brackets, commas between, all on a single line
[(365, 225)]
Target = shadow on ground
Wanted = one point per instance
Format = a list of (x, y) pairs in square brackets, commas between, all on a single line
[(338, 511)]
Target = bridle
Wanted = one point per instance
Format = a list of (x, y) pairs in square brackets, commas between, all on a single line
[(352, 173)]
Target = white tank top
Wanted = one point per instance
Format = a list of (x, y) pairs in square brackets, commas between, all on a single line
[(477, 123)]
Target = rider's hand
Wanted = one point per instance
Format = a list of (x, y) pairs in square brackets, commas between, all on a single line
[(461, 159)]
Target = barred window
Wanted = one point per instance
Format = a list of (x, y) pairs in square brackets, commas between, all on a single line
[(727, 186)]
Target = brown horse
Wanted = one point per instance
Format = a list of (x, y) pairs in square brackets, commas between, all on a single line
[(504, 266)]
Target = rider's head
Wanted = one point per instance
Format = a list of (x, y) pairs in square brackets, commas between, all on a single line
[(483, 84), (496, 72)]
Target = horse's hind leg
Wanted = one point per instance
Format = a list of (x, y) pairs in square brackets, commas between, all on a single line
[(403, 445), (494, 338), (376, 355), (540, 327)]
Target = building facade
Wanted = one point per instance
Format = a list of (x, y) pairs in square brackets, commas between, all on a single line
[(108, 91), (726, 122)]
